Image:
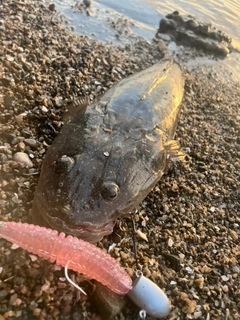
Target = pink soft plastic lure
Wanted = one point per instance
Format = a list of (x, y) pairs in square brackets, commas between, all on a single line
[(85, 258), (80, 256)]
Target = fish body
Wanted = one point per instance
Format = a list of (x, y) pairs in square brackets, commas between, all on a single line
[(111, 154)]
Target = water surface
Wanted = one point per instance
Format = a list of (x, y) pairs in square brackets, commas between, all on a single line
[(142, 18), (146, 14)]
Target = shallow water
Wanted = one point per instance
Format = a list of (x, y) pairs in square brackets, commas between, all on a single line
[(143, 16), (146, 14)]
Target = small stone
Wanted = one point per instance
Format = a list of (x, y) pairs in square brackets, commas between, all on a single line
[(21, 146), (33, 305), (189, 270), (225, 278), (7, 81), (174, 187), (206, 269), (199, 282), (26, 133), (46, 286), (233, 234), (109, 304), (87, 3), (33, 257), (77, 316), (170, 242), (44, 109), (52, 7), (19, 118), (235, 269), (32, 143), (124, 255), (142, 235), (182, 210), (197, 314), (8, 314), (33, 272), (106, 154), (36, 312), (8, 101), (23, 158), (13, 299), (3, 294), (14, 246), (225, 288), (190, 305)]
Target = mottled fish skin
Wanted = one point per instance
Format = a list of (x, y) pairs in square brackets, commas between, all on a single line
[(111, 154)]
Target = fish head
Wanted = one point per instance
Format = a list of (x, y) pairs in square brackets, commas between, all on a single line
[(72, 196), (84, 195)]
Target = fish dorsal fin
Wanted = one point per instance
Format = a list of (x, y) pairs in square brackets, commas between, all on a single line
[(74, 107), (173, 150)]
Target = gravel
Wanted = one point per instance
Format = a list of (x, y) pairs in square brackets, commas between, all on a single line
[(188, 226)]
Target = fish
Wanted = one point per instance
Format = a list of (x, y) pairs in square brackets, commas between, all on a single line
[(111, 153)]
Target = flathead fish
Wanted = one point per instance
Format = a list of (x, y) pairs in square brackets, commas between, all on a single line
[(109, 156)]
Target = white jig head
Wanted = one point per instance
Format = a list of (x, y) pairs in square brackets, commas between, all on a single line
[(149, 297)]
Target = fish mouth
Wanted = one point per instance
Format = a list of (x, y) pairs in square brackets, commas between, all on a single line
[(85, 232)]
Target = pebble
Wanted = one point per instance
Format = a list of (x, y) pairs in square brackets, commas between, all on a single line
[(190, 305), (14, 300), (44, 109), (233, 234), (199, 282), (33, 273), (23, 158), (109, 303), (19, 118), (21, 146), (32, 143), (235, 269), (36, 312), (3, 294)]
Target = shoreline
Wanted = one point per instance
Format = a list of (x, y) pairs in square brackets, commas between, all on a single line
[(193, 212)]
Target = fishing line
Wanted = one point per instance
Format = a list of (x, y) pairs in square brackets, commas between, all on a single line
[(135, 250)]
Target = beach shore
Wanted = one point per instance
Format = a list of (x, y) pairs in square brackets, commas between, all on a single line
[(193, 213)]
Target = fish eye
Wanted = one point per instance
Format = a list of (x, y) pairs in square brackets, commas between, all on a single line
[(109, 190)]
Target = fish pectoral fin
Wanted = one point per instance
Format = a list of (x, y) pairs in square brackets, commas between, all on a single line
[(74, 107), (174, 151)]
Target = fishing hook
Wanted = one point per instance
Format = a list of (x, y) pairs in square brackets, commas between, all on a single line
[(69, 280)]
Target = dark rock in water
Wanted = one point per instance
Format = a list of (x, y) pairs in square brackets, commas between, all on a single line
[(52, 7), (187, 31)]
